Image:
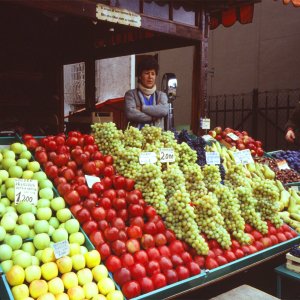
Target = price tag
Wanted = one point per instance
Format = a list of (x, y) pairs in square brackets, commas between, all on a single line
[(246, 157), (237, 157), (26, 190), (295, 187), (167, 155), (207, 138), (205, 123), (147, 158), (61, 249), (90, 180), (233, 136), (283, 165), (212, 158)]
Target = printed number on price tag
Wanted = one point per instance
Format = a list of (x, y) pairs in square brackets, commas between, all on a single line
[(26, 190), (147, 158), (167, 155), (61, 249), (212, 158)]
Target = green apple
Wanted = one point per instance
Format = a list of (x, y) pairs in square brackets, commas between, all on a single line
[(11, 213), (64, 264), (6, 265), (41, 241), (31, 233), (15, 253), (15, 242), (90, 290), (38, 254), (44, 213), (115, 295), (106, 286), (78, 262), (45, 183), (15, 171), (59, 235), (7, 163), (56, 286), (5, 252), (41, 226), (33, 166), (39, 176), (27, 218), (8, 223), (9, 154), (84, 276), (54, 222), (3, 189), (23, 259), (83, 250), (22, 162), (77, 237), (24, 207), (27, 174), (5, 201), (22, 230), (51, 230), (72, 226), (61, 225), (49, 270), (2, 233), (10, 193), (2, 209), (17, 148), (99, 272), (4, 175), (63, 215), (20, 291), (26, 154), (33, 273), (92, 258), (58, 203), (35, 261), (70, 280), (48, 255), (10, 182), (29, 248), (43, 203), (74, 249), (46, 193)]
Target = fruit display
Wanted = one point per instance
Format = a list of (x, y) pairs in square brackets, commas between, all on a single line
[(237, 139), (284, 175), (291, 157)]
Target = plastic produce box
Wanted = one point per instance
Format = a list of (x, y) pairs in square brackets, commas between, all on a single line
[(5, 291)]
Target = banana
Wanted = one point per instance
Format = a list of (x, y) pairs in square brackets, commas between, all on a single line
[(295, 216), (284, 198), (279, 185), (295, 195)]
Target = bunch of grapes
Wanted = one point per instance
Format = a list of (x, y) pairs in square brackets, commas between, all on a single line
[(231, 211), (133, 137), (151, 133), (149, 181), (248, 204), (173, 180), (194, 181), (211, 176), (267, 194), (181, 219), (107, 137), (236, 177), (185, 155), (127, 162), (210, 220)]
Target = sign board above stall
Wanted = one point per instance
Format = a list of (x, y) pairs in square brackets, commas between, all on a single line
[(118, 15)]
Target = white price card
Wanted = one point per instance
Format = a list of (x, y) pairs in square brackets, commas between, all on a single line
[(26, 190), (147, 158), (205, 123), (167, 155), (212, 158), (233, 136), (237, 157), (61, 249), (90, 180), (246, 157), (208, 138), (295, 187), (283, 165)]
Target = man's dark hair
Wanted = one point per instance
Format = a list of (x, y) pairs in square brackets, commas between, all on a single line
[(148, 63)]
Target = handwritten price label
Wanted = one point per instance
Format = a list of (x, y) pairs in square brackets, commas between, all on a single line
[(233, 136), (61, 249), (147, 158), (212, 158), (26, 190), (167, 155), (283, 165), (205, 123), (243, 157), (90, 180)]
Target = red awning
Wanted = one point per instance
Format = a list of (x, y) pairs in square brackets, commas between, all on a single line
[(243, 14)]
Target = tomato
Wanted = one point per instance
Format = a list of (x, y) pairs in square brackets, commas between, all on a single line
[(134, 231), (147, 241), (111, 234), (121, 193), (119, 203), (146, 284), (119, 182), (75, 208), (164, 251), (108, 159), (96, 238), (123, 214), (131, 289), (235, 244), (89, 204), (107, 182), (138, 221), (129, 184), (41, 156), (127, 260), (153, 267), (72, 197), (83, 215), (170, 235), (165, 263), (110, 193), (199, 260), (72, 141), (110, 214), (193, 268), (176, 247), (122, 235), (83, 191), (108, 171), (221, 260), (135, 210), (31, 144), (51, 171), (122, 276), (68, 174), (27, 136), (211, 263), (132, 198), (186, 257), (160, 239), (141, 257), (118, 223), (137, 271), (102, 225), (229, 255), (118, 247), (153, 253), (150, 211), (248, 228), (238, 253), (89, 227), (171, 276), (176, 260), (113, 263), (159, 280)]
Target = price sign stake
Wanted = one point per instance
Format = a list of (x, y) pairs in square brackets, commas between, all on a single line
[(167, 155), (26, 190)]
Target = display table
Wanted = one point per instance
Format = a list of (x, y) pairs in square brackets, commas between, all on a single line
[(281, 272)]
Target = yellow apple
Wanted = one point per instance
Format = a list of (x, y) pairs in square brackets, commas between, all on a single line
[(92, 258), (64, 264), (83, 250), (99, 272), (49, 270), (115, 295), (78, 262), (62, 296), (99, 297), (47, 296), (48, 255), (56, 286), (20, 291), (38, 288), (33, 273), (76, 293), (16, 275), (84, 276), (69, 279), (90, 290), (74, 249), (106, 286)]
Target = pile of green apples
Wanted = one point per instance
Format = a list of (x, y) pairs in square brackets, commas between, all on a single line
[(28, 232)]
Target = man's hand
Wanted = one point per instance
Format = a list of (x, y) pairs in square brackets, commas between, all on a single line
[(290, 136)]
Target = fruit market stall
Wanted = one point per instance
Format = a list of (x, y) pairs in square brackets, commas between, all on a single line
[(157, 228)]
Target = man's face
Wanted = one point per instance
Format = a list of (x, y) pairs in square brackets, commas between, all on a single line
[(148, 78)]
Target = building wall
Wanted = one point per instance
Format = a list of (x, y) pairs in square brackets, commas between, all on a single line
[(263, 54)]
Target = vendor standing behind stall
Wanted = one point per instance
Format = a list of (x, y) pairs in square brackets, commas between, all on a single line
[(145, 104), (293, 126)]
